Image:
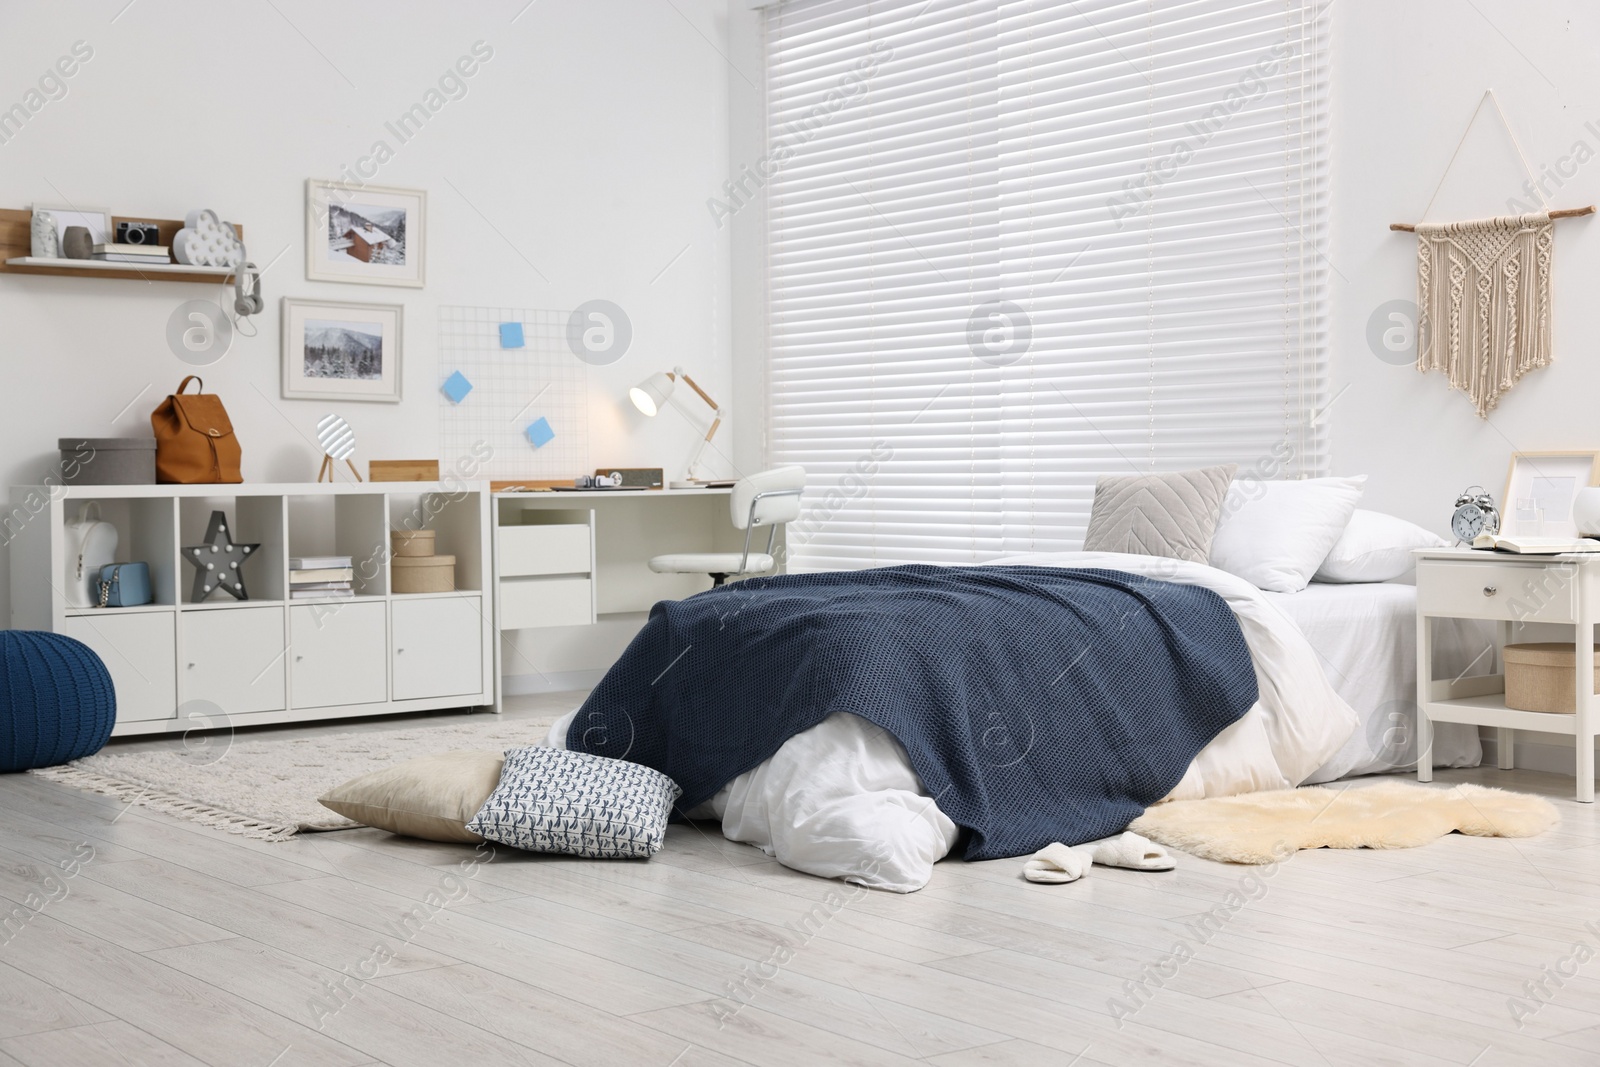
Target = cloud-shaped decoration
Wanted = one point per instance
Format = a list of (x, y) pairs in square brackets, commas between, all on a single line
[(205, 241)]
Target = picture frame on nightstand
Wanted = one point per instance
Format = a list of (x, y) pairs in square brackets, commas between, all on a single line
[(1540, 490)]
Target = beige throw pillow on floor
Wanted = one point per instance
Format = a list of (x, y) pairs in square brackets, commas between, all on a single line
[(431, 797)]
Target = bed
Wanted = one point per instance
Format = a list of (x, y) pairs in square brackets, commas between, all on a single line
[(842, 799), (1365, 638)]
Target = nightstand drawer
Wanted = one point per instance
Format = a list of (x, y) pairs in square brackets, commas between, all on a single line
[(1520, 592)]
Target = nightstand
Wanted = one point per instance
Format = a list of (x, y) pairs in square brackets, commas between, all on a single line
[(1467, 584)]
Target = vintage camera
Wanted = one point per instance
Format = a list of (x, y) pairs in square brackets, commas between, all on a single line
[(138, 233)]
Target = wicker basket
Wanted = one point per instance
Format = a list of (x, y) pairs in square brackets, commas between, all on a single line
[(1539, 676), (423, 574), (410, 543)]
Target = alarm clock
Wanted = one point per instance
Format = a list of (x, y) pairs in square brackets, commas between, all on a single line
[(1475, 514)]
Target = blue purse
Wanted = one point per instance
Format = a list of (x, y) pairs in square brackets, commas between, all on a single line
[(124, 585)]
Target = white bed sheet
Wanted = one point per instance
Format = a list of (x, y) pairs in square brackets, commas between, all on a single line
[(1365, 637)]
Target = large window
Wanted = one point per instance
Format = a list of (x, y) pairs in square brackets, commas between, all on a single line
[(1014, 246)]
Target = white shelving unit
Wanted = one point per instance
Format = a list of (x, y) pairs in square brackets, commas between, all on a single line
[(178, 665)]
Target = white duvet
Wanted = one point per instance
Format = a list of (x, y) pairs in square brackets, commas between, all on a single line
[(841, 800)]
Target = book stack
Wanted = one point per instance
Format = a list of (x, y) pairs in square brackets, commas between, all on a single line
[(321, 578), (131, 253)]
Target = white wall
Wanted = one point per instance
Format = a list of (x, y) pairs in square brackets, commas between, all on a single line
[(1406, 77), (576, 166)]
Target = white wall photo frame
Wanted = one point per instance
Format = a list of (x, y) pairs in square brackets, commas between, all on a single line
[(333, 350), (1540, 489), (366, 235)]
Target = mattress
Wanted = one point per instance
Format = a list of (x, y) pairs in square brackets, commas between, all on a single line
[(1365, 637)]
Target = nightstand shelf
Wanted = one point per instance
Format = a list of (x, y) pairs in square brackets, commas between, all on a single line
[(1491, 710), (1465, 583)]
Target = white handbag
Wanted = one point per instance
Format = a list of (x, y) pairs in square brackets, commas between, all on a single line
[(91, 544)]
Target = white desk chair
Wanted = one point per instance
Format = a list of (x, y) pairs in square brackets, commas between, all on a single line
[(768, 499)]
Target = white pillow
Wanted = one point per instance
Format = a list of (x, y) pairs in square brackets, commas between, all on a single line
[(1375, 548), (1274, 535)]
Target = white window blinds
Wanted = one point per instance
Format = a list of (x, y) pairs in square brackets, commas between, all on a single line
[(1014, 246)]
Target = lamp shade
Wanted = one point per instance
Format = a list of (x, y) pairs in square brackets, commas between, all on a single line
[(650, 395)]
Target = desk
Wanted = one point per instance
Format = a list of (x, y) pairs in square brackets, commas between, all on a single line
[(564, 562)]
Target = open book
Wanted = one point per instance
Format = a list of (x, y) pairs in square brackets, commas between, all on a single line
[(1536, 546)]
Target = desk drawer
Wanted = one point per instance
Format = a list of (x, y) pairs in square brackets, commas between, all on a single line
[(560, 549), (1519, 592), (530, 602)]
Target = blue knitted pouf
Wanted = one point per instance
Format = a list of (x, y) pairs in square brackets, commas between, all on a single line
[(56, 700)]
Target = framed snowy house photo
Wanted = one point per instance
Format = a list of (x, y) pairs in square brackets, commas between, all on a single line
[(368, 234)]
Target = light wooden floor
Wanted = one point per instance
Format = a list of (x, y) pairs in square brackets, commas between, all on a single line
[(177, 945)]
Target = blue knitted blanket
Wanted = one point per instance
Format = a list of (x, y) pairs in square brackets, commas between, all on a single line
[(1037, 704)]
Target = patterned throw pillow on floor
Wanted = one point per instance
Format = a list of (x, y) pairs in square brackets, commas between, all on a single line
[(552, 800)]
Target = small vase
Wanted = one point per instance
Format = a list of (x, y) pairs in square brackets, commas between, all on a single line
[(76, 242), (44, 243), (1586, 511)]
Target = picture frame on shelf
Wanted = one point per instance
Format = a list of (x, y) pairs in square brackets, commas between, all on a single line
[(334, 350), (96, 220), (1541, 488), (366, 235)]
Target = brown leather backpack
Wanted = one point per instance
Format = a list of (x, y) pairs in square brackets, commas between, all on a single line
[(194, 438)]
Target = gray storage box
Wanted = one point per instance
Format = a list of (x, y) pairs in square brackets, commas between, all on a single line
[(108, 460)]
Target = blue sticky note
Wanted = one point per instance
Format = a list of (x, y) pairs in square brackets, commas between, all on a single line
[(456, 387), (511, 335), (540, 433)]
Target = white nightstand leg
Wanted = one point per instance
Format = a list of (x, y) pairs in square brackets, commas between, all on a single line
[(1424, 684), (1505, 735), (1585, 703)]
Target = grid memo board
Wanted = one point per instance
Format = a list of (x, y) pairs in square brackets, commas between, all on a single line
[(512, 388)]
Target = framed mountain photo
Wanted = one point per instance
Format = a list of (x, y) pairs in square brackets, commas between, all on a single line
[(366, 234), (340, 351)]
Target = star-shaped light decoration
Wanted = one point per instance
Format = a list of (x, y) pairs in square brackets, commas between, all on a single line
[(219, 562)]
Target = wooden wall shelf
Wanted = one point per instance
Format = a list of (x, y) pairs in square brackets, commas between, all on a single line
[(16, 241)]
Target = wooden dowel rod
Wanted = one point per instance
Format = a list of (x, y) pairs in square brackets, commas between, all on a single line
[(1558, 213)]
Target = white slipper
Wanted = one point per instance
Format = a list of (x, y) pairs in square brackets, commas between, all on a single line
[(1055, 864), (1133, 852)]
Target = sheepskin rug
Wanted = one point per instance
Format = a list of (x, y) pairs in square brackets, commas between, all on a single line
[(1266, 827)]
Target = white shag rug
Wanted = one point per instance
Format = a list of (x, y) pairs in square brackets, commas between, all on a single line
[(1267, 827), (267, 788)]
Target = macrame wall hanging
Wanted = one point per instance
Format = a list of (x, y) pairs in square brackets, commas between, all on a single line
[(1483, 290)]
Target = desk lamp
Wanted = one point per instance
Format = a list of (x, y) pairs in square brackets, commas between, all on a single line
[(652, 394)]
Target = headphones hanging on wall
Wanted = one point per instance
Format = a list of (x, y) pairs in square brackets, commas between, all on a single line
[(247, 290)]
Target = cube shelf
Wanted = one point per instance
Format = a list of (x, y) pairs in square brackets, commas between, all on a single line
[(270, 658)]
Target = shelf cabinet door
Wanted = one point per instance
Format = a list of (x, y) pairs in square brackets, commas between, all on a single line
[(338, 654), (438, 647), (233, 657), (140, 650)]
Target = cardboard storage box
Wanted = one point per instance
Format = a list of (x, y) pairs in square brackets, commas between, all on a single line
[(1539, 676)]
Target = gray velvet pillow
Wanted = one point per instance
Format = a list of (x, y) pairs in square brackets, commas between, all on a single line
[(1173, 515)]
